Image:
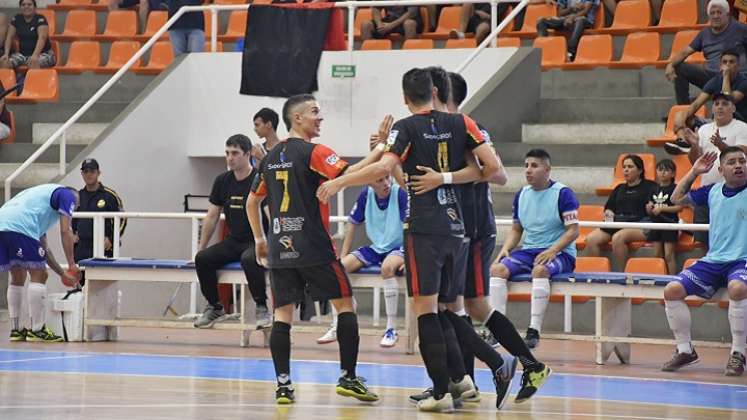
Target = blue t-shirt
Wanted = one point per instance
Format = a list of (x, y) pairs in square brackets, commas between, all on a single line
[(567, 201), (700, 196), (739, 83), (358, 212), (712, 45)]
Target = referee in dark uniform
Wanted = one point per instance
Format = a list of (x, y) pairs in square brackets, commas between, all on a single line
[(95, 197)]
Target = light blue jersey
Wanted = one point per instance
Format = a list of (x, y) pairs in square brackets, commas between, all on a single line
[(727, 235), (384, 227), (544, 215), (32, 212)]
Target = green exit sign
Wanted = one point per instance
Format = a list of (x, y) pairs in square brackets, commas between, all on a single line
[(340, 70)]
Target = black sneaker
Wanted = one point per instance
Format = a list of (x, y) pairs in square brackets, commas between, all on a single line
[(502, 379), (18, 335), (680, 360), (735, 365), (532, 338), (211, 315), (285, 394), (677, 147), (531, 382), (354, 387), (45, 334), (416, 398)]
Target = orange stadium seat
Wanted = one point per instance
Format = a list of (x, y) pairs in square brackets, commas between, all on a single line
[(236, 26), (681, 40), (553, 51), (509, 42), (120, 25), (64, 5), (649, 165), (156, 19), (593, 264), (677, 15), (161, 56), (208, 23), (8, 79), (447, 20), (688, 262), (461, 43), (218, 47), (119, 53), (79, 24), (593, 51), (362, 15), (686, 241), (82, 56), (534, 12), (376, 44), (41, 85), (669, 130), (647, 265), (51, 19), (640, 49), (630, 15), (599, 18), (588, 213), (418, 44)]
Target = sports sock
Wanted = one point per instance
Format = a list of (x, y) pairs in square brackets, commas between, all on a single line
[(498, 294), (540, 298), (505, 332), (391, 297), (433, 350), (454, 359), (15, 301), (348, 340), (678, 316), (469, 338), (334, 317), (737, 321), (37, 295), (280, 349)]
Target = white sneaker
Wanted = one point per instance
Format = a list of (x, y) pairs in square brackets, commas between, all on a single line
[(464, 390), (444, 405), (329, 337), (390, 338)]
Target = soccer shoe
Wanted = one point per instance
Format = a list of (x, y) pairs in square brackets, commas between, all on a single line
[(263, 317), (502, 379), (431, 404), (354, 387), (677, 147), (532, 338), (329, 337), (680, 360), (531, 382), (43, 335), (285, 394), (210, 317), (18, 335), (389, 339), (416, 398), (735, 365), (464, 390)]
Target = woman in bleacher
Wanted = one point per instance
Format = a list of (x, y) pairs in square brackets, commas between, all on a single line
[(32, 32), (627, 203)]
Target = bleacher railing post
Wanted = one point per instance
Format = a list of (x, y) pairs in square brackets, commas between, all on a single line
[(115, 240), (214, 30), (493, 21), (351, 27), (195, 246)]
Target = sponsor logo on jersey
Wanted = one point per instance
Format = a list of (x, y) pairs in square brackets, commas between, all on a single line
[(392, 137), (101, 204), (439, 136), (332, 159), (275, 226), (19, 253), (42, 252), (288, 252), (284, 165), (291, 224)]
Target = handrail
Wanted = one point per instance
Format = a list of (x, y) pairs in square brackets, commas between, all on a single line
[(214, 9)]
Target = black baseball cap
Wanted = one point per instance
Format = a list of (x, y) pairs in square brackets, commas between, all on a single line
[(89, 164), (722, 95)]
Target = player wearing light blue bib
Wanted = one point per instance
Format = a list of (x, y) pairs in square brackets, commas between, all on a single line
[(725, 264), (24, 222), (546, 213)]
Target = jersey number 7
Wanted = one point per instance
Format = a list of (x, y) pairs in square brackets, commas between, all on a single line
[(282, 176)]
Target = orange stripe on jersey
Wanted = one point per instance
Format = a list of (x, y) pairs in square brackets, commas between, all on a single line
[(413, 267), (341, 279), (477, 266), (325, 162), (261, 190), (473, 130)]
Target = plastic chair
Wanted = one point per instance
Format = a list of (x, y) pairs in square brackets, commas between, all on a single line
[(681, 40), (236, 26), (649, 165), (593, 264), (630, 15), (553, 50), (677, 15), (8, 79), (593, 51), (534, 12), (82, 56), (120, 25), (600, 17), (640, 49), (41, 85), (51, 19), (161, 56), (508, 41), (418, 44), (376, 45), (688, 262), (588, 213), (447, 21), (156, 19), (646, 265), (362, 15), (208, 24), (669, 134), (79, 24), (461, 43), (119, 54), (65, 5)]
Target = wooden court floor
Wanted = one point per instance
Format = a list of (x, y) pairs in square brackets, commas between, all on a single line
[(178, 374)]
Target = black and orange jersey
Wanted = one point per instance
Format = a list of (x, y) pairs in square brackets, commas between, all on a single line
[(479, 204), (437, 140), (290, 174)]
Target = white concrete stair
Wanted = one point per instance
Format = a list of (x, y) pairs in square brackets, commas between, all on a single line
[(37, 173), (580, 133), (580, 179), (78, 134)]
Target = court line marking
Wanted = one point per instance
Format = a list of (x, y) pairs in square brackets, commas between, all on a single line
[(80, 356), (272, 382)]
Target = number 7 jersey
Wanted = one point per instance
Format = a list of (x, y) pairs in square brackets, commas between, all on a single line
[(299, 224)]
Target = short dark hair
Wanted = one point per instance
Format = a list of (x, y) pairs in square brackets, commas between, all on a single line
[(638, 162), (539, 154), (441, 81), (291, 103), (667, 164), (241, 141), (458, 88), (267, 115), (729, 150), (32, 1), (417, 86), (730, 51)]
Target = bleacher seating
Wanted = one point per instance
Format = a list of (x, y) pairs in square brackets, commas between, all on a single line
[(629, 16), (119, 54), (641, 49), (82, 56), (156, 19), (461, 43), (533, 12), (677, 15), (120, 25), (649, 165), (161, 55), (418, 44), (42, 85), (508, 42), (79, 25), (376, 44), (236, 26), (593, 51), (588, 213), (669, 134), (553, 51), (448, 20)]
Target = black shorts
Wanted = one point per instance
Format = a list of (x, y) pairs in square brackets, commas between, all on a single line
[(478, 267), (662, 235), (323, 282), (126, 4), (429, 263), (398, 30), (458, 274), (474, 21)]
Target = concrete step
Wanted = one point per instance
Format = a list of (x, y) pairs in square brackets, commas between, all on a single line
[(78, 133), (27, 115), (580, 133), (604, 110), (38, 173), (82, 87), (606, 83), (583, 179), (512, 154), (19, 152), (503, 199)]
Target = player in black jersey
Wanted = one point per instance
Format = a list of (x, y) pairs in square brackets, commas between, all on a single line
[(434, 226), (299, 251)]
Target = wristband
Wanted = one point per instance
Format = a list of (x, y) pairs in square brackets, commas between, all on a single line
[(259, 240), (448, 177)]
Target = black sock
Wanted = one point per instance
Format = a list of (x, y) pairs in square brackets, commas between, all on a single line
[(433, 351), (348, 339), (471, 340), (505, 332), (467, 355), (261, 303), (280, 348), (454, 359)]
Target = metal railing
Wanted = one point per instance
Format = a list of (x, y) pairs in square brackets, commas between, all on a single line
[(60, 133)]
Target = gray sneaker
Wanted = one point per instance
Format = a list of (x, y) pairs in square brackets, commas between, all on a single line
[(264, 318), (210, 317)]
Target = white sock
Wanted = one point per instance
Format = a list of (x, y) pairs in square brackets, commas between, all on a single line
[(37, 295), (540, 298), (334, 317), (737, 321), (678, 316), (15, 301), (460, 312), (498, 294), (391, 298)]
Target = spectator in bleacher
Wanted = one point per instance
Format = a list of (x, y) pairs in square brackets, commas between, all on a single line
[(722, 33), (403, 20), (381, 206), (627, 203), (730, 81), (95, 197), (546, 213), (716, 136), (5, 123), (572, 16), (725, 264), (143, 7), (32, 31), (265, 126), (661, 210), (229, 194), (187, 34), (475, 17)]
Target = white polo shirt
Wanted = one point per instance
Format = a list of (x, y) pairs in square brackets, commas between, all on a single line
[(734, 133)]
